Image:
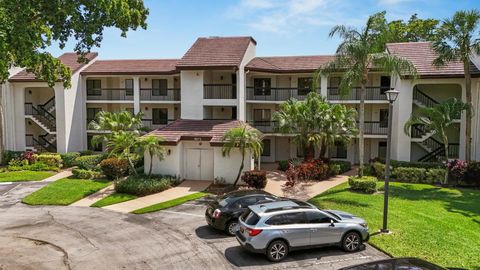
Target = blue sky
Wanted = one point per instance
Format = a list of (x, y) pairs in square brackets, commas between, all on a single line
[(281, 27)]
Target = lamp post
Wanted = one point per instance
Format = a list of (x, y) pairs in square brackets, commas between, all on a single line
[(392, 95)]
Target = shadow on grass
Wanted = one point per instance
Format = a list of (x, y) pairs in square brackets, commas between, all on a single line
[(343, 201)]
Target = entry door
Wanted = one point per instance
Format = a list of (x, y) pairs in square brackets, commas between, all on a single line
[(282, 149), (199, 164)]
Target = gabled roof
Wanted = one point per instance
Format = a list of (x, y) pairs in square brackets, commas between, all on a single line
[(132, 66), (289, 64), (68, 59), (215, 52), (205, 130), (422, 55)]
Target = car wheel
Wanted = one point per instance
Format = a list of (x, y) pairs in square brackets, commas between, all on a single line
[(277, 251), (352, 241), (232, 227)]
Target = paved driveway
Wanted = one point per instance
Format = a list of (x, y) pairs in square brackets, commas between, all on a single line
[(90, 238)]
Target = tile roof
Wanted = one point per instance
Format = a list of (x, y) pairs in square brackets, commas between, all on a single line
[(206, 130), (68, 59), (215, 52), (422, 55), (132, 66), (288, 64)]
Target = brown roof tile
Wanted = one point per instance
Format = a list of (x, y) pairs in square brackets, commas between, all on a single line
[(68, 59), (422, 55), (132, 66), (288, 64), (215, 52), (207, 130)]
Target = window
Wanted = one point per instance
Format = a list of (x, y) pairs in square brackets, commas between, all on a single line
[(317, 217), (384, 84), (304, 86), (333, 84), (383, 118), (339, 150), (287, 219), (92, 113), (91, 147), (266, 148), (262, 86), (94, 87), (129, 87), (382, 149), (262, 117), (159, 87), (159, 116), (250, 218)]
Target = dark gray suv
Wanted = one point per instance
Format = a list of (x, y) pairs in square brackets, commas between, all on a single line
[(276, 228)]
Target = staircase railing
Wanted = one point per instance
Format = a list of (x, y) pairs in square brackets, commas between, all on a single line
[(423, 98), (42, 139), (439, 152), (48, 105), (44, 116)]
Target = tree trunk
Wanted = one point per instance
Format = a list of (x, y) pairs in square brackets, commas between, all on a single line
[(131, 165), (151, 164), (361, 127), (468, 124), (240, 170), (323, 149), (309, 152), (445, 181)]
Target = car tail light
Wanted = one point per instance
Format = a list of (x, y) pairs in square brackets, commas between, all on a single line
[(216, 213), (253, 232)]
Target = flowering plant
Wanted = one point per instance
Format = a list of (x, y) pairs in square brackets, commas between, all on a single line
[(457, 169)]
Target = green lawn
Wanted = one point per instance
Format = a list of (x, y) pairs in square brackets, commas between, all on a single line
[(113, 199), (437, 224), (24, 176), (171, 203), (65, 191)]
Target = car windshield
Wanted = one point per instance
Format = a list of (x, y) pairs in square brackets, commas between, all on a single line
[(250, 218), (334, 215), (226, 201)]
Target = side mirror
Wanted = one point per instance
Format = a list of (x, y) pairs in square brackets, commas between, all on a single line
[(332, 223)]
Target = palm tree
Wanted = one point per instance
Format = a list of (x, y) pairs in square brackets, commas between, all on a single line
[(358, 52), (244, 138), (456, 41), (108, 123), (125, 145), (437, 119), (151, 144)]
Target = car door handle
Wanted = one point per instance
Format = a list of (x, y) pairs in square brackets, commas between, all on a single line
[(313, 230), (285, 231)]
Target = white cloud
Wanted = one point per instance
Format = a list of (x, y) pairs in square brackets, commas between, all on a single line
[(391, 2)]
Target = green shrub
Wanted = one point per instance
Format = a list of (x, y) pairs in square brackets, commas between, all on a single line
[(255, 179), (472, 176), (283, 165), (141, 185), (367, 184), (368, 170), (334, 169), (409, 175), (86, 153), (345, 166), (69, 158), (89, 162), (433, 176), (379, 170), (85, 174), (9, 155), (114, 168), (53, 160), (413, 164)]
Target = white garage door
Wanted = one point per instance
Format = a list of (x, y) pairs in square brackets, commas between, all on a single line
[(199, 164)]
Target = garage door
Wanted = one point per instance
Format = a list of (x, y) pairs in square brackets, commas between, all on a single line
[(199, 164)]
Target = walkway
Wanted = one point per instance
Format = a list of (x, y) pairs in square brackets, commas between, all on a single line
[(303, 190), (97, 196), (187, 187), (63, 174)]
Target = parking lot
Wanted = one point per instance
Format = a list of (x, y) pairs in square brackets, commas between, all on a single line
[(189, 218)]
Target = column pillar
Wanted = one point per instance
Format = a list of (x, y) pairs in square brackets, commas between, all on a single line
[(323, 85), (463, 121), (241, 78), (60, 119), (402, 110), (136, 94)]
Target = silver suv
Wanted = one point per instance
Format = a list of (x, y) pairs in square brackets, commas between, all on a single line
[(276, 228)]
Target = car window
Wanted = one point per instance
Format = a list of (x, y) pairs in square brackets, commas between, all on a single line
[(317, 217), (286, 219), (250, 218)]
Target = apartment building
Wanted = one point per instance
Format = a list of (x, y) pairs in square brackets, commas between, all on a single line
[(219, 83)]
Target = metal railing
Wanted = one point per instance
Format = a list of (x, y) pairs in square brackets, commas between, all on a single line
[(276, 93), (41, 114), (418, 131), (371, 93), (219, 91), (423, 98), (49, 104), (264, 126), (170, 94), (110, 94), (151, 124), (376, 128)]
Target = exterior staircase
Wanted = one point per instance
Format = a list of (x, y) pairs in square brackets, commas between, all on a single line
[(41, 117), (44, 116), (40, 144)]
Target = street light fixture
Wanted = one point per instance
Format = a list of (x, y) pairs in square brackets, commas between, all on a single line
[(391, 95)]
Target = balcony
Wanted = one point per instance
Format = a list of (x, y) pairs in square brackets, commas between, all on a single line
[(264, 126), (219, 91), (113, 94), (276, 93), (371, 93), (375, 128), (150, 124), (170, 94)]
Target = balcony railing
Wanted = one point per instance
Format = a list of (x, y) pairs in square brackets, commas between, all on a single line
[(376, 128), (170, 94), (276, 93), (371, 93), (264, 126), (110, 94), (219, 91), (150, 124)]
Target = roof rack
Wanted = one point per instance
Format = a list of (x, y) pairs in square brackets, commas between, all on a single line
[(286, 208)]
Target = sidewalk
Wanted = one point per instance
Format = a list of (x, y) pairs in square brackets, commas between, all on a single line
[(58, 176), (187, 187), (89, 200)]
